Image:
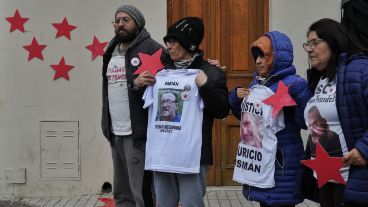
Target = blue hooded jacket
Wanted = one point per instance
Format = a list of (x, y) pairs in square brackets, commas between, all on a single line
[(290, 150)]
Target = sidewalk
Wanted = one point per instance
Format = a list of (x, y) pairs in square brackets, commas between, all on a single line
[(215, 197)]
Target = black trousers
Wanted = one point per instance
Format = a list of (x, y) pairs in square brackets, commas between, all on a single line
[(148, 192), (330, 195), (354, 205)]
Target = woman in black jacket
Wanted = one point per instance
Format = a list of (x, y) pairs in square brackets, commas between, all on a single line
[(171, 184)]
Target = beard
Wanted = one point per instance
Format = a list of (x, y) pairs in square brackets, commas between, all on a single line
[(127, 36)]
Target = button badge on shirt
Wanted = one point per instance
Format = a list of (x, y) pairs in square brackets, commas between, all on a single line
[(186, 92), (135, 61)]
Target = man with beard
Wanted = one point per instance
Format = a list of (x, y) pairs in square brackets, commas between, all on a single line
[(124, 121)]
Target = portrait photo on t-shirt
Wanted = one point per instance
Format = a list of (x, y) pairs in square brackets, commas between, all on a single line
[(250, 130), (170, 105), (320, 132)]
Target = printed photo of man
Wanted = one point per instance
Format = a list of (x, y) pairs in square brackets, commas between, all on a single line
[(319, 131), (250, 130), (168, 108)]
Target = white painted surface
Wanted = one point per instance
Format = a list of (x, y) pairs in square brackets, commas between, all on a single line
[(60, 151), (28, 93), (15, 175)]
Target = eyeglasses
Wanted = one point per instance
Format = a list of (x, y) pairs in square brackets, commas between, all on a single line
[(311, 44), (124, 20), (170, 42), (167, 101)]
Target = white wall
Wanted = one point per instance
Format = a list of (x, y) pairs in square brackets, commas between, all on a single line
[(28, 93), (293, 17)]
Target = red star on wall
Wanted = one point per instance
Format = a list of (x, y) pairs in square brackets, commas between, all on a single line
[(63, 28), (108, 202), (326, 167), (97, 47), (17, 22), (150, 63), (280, 99), (61, 70), (34, 50)]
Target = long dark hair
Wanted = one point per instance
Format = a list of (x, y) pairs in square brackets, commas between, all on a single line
[(338, 40)]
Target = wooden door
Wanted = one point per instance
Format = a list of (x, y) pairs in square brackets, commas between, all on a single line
[(230, 27)]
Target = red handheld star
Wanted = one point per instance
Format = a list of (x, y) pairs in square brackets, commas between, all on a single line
[(63, 28), (280, 99), (326, 167), (97, 47), (108, 202), (61, 70), (150, 63), (17, 22), (34, 50)]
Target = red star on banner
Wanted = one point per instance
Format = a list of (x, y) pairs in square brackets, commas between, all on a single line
[(97, 47), (34, 49), (17, 22), (63, 28), (280, 99), (108, 202), (326, 167), (150, 63), (62, 69)]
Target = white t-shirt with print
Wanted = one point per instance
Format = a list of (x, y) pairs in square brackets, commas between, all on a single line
[(118, 95), (323, 123), (174, 145), (256, 154)]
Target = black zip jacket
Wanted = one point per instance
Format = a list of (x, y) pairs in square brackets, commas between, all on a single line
[(143, 43)]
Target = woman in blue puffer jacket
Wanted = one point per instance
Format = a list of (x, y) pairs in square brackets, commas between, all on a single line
[(273, 55), (341, 65)]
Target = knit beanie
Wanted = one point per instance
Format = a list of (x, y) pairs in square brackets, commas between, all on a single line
[(134, 13), (188, 32), (263, 45)]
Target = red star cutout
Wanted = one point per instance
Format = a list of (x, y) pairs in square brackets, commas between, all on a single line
[(34, 49), (17, 22), (108, 202), (326, 167), (280, 99), (150, 63), (62, 69), (63, 28), (97, 47)]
